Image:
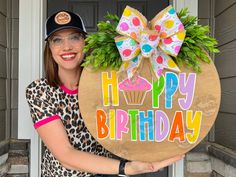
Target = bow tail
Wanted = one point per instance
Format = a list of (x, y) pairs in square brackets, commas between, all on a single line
[(160, 61), (131, 66)]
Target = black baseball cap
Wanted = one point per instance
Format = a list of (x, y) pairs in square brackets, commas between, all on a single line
[(63, 20)]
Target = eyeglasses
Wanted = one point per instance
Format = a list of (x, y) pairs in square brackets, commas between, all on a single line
[(58, 41)]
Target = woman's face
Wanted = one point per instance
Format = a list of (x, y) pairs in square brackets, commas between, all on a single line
[(67, 49)]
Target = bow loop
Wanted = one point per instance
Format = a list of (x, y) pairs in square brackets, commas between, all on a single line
[(167, 22), (163, 40), (132, 23), (171, 30)]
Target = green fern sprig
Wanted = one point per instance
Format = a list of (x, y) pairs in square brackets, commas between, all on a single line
[(196, 43)]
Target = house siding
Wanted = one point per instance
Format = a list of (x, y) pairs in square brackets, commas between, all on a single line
[(218, 155), (224, 151), (14, 154), (14, 66), (9, 30), (225, 32), (3, 69)]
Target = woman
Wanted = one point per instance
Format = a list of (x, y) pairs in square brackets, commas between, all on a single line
[(53, 100)]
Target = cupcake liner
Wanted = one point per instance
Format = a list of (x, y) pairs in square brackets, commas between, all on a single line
[(134, 97)]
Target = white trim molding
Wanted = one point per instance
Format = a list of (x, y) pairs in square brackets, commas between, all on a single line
[(177, 169), (192, 5), (31, 19)]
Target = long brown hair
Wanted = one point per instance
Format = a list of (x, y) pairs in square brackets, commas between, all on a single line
[(51, 67)]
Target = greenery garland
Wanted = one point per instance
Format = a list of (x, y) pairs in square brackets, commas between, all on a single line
[(101, 51)]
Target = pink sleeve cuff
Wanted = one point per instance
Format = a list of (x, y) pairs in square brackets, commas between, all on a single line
[(45, 121)]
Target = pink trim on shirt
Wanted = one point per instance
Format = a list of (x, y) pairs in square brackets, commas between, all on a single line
[(45, 121), (65, 89)]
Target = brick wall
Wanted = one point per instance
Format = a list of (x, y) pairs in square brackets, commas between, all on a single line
[(210, 160), (14, 158), (197, 162), (4, 165)]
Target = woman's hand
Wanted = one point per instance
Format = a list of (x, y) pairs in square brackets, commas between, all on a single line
[(164, 163), (137, 167)]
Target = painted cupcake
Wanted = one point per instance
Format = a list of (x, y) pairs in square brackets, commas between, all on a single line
[(135, 90)]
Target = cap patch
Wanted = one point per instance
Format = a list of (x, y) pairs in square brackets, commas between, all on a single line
[(62, 18)]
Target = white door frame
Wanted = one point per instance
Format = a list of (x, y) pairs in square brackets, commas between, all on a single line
[(32, 14)]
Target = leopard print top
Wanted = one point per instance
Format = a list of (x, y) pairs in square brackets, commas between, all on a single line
[(49, 103)]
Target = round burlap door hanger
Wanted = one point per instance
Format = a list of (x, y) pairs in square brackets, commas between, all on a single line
[(153, 106)]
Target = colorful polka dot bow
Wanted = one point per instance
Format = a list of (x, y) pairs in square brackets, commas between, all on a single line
[(161, 40)]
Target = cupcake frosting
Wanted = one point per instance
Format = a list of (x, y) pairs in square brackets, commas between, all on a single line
[(139, 83)]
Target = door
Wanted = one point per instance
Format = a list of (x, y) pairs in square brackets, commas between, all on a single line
[(93, 11)]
